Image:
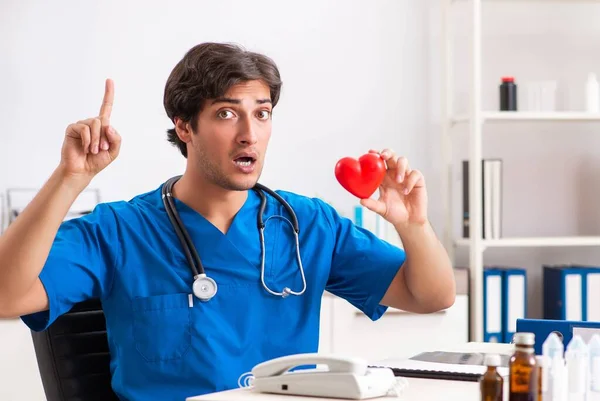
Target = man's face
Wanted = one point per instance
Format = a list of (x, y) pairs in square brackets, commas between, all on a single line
[(232, 134)]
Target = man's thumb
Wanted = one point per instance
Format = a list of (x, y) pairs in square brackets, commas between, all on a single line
[(114, 140), (373, 205)]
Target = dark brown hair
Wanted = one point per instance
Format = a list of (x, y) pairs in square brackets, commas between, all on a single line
[(207, 71)]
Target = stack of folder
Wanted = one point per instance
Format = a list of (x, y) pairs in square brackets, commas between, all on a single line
[(504, 302), (491, 191), (572, 292)]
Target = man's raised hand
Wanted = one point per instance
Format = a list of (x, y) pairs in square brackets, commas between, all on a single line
[(92, 144)]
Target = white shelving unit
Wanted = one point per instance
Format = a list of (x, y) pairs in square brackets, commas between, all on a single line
[(474, 121), (532, 242), (499, 116)]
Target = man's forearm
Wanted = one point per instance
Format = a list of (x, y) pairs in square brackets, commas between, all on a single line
[(25, 245), (428, 272)]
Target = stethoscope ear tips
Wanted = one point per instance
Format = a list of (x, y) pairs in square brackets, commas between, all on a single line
[(286, 291)]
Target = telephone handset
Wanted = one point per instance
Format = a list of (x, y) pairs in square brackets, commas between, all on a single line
[(344, 377), (280, 365)]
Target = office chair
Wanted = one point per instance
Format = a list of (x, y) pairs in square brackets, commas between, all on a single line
[(73, 356)]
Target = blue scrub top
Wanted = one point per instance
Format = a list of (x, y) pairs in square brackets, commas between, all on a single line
[(128, 255)]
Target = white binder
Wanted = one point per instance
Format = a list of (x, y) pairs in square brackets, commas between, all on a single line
[(492, 302), (515, 298), (573, 295)]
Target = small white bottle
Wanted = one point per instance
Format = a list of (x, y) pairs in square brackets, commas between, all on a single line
[(577, 358), (553, 346), (552, 352), (592, 94), (558, 383), (594, 348)]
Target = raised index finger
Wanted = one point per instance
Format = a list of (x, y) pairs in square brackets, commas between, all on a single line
[(107, 102)]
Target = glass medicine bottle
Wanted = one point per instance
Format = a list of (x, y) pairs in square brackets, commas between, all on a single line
[(491, 383), (523, 369)]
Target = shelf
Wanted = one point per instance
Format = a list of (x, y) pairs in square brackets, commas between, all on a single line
[(535, 241), (499, 116), (528, 1)]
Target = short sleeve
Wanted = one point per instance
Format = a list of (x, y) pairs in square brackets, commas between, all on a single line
[(362, 266), (80, 265)]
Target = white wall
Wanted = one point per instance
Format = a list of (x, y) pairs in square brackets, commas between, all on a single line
[(355, 77), (353, 74)]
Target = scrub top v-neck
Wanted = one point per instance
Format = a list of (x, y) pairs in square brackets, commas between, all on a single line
[(229, 258), (165, 344)]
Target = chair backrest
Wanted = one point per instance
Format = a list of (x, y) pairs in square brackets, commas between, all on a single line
[(73, 356)]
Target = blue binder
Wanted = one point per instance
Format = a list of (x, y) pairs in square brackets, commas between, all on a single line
[(492, 305), (543, 327), (566, 292), (514, 296), (592, 299)]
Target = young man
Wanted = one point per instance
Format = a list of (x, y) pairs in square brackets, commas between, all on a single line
[(166, 343)]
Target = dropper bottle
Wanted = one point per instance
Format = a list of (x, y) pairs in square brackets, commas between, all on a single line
[(491, 382), (552, 354), (522, 367), (577, 358), (594, 348)]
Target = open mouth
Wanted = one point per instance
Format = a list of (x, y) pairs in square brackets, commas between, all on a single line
[(244, 161)]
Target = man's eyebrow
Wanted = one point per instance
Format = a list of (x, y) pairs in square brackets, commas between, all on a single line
[(237, 101), (226, 100)]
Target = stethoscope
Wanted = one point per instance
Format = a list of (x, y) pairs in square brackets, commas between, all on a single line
[(204, 287)]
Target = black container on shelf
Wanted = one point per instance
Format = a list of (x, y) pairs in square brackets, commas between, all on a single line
[(508, 94)]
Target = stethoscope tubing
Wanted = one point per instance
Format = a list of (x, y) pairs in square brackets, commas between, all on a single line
[(286, 290), (191, 253)]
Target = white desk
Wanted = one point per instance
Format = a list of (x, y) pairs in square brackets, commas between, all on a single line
[(417, 390)]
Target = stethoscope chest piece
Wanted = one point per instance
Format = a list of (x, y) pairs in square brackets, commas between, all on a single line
[(204, 287)]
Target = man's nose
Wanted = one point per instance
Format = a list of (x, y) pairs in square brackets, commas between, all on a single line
[(247, 132)]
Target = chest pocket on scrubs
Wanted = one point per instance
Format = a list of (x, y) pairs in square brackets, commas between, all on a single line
[(281, 264), (162, 326)]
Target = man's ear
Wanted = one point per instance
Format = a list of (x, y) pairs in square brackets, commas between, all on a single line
[(183, 129)]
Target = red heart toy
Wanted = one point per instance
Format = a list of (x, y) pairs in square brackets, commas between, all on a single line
[(361, 177)]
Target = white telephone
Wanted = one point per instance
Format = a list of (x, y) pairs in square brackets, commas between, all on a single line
[(345, 377)]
